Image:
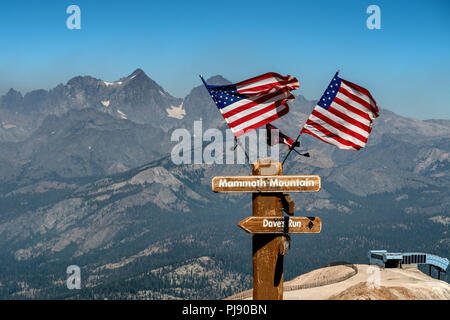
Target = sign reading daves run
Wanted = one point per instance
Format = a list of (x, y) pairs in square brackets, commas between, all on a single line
[(281, 224), (297, 183)]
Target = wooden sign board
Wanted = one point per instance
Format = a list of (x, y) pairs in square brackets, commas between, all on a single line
[(297, 183), (283, 224)]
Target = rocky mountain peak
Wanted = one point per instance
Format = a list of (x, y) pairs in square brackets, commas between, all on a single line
[(82, 82), (137, 72), (139, 79), (217, 80), (11, 99)]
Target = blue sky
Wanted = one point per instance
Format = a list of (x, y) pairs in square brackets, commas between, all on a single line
[(405, 65)]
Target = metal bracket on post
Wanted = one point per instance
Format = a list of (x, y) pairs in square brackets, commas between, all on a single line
[(286, 245), (288, 204), (286, 242)]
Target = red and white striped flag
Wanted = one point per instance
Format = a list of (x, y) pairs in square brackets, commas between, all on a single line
[(343, 116), (250, 104), (280, 137)]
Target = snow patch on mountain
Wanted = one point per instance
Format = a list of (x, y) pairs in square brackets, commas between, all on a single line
[(440, 219), (122, 115), (9, 126), (112, 83), (176, 112)]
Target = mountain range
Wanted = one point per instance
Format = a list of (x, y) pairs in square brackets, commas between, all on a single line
[(87, 179)]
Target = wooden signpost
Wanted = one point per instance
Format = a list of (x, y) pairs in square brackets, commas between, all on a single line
[(269, 228)]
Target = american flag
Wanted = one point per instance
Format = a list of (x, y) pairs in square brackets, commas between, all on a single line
[(282, 138), (250, 104), (343, 116)]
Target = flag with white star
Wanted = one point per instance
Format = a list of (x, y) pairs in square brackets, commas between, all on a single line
[(343, 116), (250, 104)]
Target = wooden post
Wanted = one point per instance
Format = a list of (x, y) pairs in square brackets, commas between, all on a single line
[(270, 230), (268, 249)]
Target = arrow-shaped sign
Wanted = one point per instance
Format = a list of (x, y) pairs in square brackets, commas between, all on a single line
[(281, 224)]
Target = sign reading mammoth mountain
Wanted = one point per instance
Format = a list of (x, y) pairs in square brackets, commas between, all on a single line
[(297, 183)]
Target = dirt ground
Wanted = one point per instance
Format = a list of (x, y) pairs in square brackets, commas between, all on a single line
[(374, 283), (370, 283), (322, 275)]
